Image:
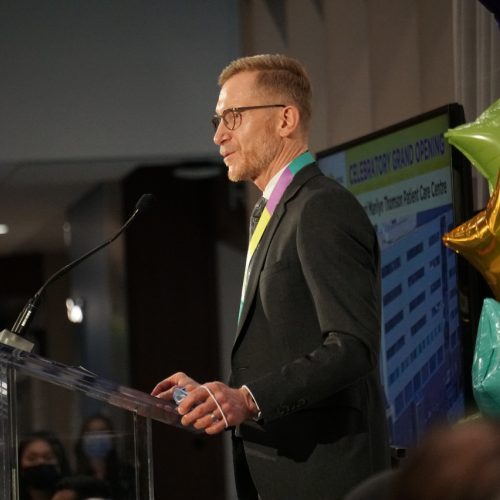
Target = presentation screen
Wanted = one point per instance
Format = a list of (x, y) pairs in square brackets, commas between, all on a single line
[(404, 179)]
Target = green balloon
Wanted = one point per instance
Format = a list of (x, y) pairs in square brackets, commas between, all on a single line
[(479, 141)]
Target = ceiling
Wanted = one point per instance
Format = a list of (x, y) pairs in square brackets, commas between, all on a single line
[(35, 197), (108, 86)]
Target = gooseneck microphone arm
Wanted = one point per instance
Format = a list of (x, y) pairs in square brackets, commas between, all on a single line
[(27, 314)]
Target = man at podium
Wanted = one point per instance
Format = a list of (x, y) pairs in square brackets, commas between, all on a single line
[(304, 397)]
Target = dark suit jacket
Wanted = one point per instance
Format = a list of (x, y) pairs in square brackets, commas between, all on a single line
[(307, 347)]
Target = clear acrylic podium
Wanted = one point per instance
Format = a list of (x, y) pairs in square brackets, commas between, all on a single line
[(31, 386)]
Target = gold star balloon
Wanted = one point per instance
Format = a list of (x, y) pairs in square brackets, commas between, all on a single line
[(478, 240), (480, 142)]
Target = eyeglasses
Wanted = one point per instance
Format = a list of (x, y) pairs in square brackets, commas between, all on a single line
[(230, 115)]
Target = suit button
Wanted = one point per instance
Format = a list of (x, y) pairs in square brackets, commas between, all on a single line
[(279, 411), (286, 409), (293, 407), (301, 402)]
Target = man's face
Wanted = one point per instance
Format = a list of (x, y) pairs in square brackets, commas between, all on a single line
[(249, 149)]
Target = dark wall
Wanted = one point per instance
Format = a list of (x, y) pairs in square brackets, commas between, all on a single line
[(21, 276), (172, 303)]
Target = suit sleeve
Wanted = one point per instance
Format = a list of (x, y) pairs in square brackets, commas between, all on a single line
[(339, 259)]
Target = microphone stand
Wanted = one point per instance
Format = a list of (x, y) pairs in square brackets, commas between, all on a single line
[(15, 341)]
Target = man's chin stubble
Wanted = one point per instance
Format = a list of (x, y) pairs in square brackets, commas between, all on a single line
[(239, 174), (255, 164)]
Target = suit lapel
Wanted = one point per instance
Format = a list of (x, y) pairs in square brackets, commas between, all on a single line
[(259, 257)]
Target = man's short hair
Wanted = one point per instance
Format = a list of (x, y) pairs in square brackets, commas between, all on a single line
[(279, 76)]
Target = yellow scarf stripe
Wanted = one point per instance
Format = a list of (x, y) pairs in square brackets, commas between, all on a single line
[(259, 231)]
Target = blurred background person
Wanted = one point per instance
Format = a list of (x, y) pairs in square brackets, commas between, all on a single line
[(42, 463), (453, 463), (82, 488), (97, 456)]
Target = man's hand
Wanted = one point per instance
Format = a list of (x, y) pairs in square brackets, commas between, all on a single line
[(165, 389), (237, 405)]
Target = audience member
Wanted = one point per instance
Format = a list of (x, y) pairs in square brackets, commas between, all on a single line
[(453, 463), (42, 463), (97, 455)]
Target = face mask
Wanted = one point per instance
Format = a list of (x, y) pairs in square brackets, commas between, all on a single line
[(97, 445), (41, 477)]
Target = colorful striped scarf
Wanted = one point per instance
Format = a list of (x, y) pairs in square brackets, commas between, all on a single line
[(283, 182)]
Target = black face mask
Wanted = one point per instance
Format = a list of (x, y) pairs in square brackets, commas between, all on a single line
[(41, 477)]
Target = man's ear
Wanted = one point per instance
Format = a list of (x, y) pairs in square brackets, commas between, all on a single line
[(289, 121)]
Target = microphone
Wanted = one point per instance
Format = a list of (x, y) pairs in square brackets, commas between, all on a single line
[(24, 320)]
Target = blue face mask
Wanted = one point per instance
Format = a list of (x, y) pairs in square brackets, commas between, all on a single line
[(97, 445)]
